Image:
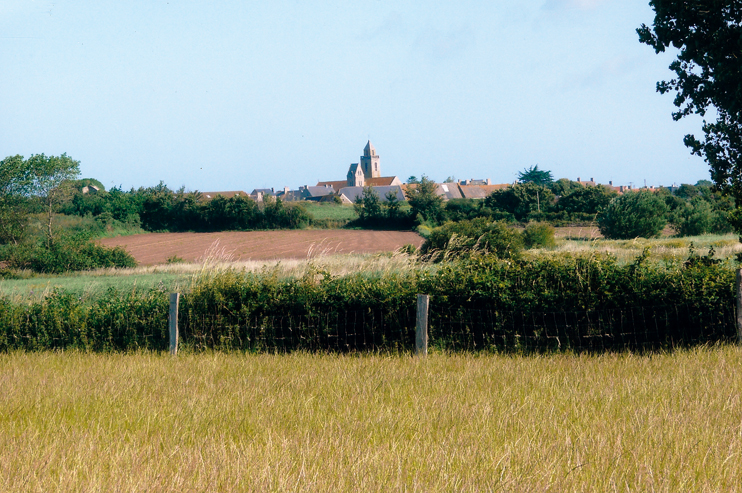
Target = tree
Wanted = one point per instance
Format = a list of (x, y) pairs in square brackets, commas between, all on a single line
[(392, 206), (686, 191), (368, 205), (51, 182), (694, 217), (708, 72), (563, 186), (424, 201), (535, 176), (586, 199), (521, 200), (632, 215), (15, 184)]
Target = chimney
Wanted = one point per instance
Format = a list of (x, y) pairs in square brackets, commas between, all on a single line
[(610, 183), (578, 179), (591, 179), (285, 189)]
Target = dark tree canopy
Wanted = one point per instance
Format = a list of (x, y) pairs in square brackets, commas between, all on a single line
[(535, 176), (708, 75)]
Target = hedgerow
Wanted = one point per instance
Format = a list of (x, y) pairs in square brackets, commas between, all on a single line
[(138, 319)]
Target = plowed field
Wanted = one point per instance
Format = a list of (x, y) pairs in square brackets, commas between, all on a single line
[(156, 248)]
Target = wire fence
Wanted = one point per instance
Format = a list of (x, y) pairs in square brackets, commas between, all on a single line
[(349, 331), (464, 329), (634, 328)]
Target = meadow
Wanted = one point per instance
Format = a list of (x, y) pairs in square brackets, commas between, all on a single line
[(311, 422)]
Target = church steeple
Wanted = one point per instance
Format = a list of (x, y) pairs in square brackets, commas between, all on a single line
[(369, 150), (370, 162)]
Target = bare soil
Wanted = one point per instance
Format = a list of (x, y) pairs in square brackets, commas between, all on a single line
[(157, 248)]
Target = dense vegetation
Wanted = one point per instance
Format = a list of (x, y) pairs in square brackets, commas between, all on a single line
[(159, 208), (41, 184), (130, 319)]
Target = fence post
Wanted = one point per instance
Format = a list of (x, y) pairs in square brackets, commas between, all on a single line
[(739, 305), (421, 332), (173, 318)]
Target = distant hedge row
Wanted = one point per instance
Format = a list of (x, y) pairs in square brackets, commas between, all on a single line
[(120, 321)]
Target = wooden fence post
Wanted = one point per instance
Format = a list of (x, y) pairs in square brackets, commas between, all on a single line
[(739, 306), (421, 332), (173, 318)]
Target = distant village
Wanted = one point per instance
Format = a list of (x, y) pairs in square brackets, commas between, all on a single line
[(367, 173)]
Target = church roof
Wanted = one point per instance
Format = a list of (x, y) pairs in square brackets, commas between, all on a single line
[(369, 150), (382, 181), (354, 168), (336, 185)]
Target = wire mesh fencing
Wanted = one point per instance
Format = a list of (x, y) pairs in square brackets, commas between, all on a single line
[(347, 331), (633, 328), (464, 329)]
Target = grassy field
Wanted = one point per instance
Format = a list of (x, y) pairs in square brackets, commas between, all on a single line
[(331, 211), (230, 422)]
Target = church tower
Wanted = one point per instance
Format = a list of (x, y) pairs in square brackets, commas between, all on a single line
[(370, 162)]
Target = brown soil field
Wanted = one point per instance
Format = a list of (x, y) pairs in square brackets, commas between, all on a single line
[(156, 248)]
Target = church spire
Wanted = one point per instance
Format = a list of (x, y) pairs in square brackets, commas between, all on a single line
[(369, 150)]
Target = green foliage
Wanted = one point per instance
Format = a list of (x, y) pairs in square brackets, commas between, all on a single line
[(68, 252), (586, 199), (132, 319), (693, 218), (476, 236), (707, 69), (632, 215), (368, 205), (521, 200), (425, 202), (535, 176), (686, 191), (563, 186), (539, 235), (159, 208)]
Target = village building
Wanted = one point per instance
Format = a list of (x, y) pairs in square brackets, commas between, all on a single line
[(366, 173)]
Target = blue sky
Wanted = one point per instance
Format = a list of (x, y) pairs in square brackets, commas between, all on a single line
[(237, 95)]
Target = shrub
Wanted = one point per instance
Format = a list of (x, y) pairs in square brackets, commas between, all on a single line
[(539, 235), (693, 218), (632, 215), (481, 235), (66, 253)]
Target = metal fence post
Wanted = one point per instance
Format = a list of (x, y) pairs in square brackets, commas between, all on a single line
[(739, 305), (173, 319), (421, 332)]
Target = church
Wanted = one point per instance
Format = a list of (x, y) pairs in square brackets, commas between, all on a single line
[(367, 173)]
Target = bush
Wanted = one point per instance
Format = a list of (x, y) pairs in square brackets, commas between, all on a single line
[(693, 218), (632, 215), (539, 235), (481, 235), (66, 253)]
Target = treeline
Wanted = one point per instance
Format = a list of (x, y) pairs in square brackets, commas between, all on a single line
[(689, 210), (159, 208)]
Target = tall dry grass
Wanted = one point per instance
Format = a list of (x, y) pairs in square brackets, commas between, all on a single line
[(230, 422)]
